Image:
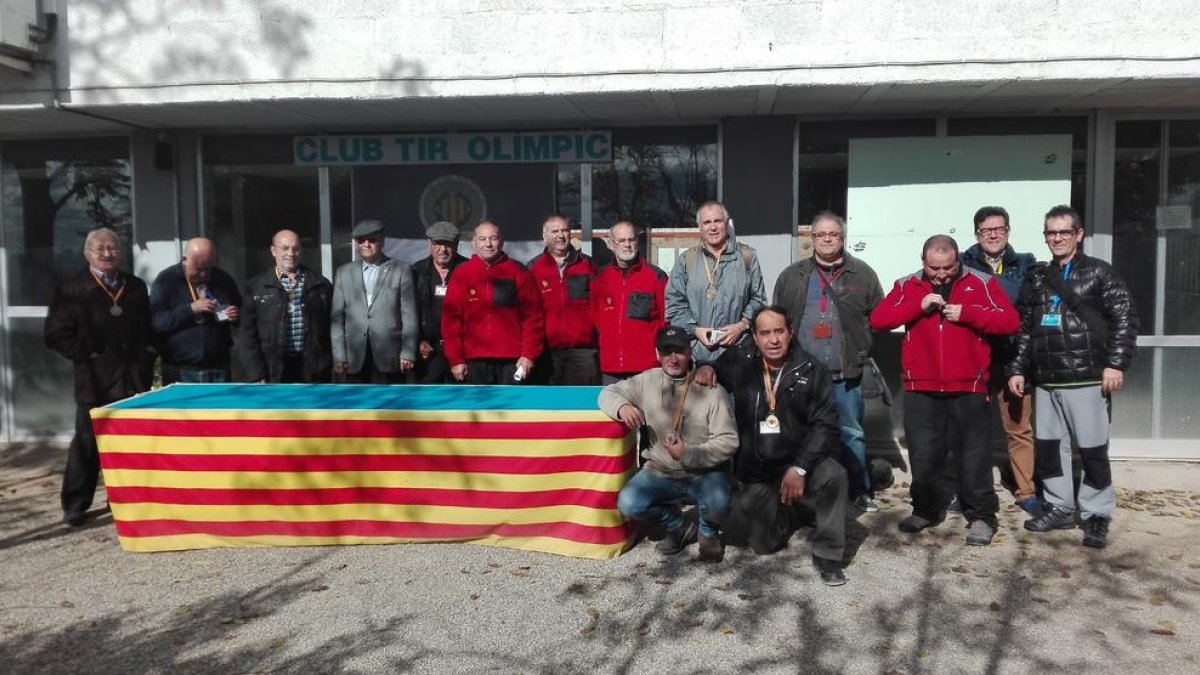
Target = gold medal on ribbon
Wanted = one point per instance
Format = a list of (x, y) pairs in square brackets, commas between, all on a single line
[(115, 310), (772, 421), (712, 292)]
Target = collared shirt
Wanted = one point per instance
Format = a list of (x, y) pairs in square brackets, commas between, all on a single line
[(370, 272), (295, 315), (112, 281)]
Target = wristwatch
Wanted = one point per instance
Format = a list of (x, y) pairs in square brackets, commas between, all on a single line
[(799, 472)]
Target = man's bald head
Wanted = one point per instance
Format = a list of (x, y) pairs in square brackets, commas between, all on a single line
[(285, 249), (199, 255)]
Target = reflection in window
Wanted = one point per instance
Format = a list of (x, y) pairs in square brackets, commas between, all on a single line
[(654, 185), (53, 197)]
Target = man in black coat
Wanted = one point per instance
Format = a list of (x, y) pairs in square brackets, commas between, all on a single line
[(285, 324), (1077, 338), (788, 435), (100, 320), (432, 278), (193, 307)]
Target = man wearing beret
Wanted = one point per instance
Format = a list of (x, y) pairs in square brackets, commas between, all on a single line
[(432, 278), (374, 318)]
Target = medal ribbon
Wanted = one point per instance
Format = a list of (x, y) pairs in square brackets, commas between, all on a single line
[(771, 388), (827, 282), (1054, 299), (677, 419), (712, 273), (116, 298)]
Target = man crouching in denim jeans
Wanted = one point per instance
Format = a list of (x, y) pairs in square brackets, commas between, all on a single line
[(692, 437)]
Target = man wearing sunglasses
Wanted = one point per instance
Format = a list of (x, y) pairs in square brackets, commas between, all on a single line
[(1077, 338), (374, 318)]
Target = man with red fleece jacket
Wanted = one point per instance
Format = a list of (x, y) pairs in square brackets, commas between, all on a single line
[(492, 317), (947, 312), (564, 282), (628, 306)]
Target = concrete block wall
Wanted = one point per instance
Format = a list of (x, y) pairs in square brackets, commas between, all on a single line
[(219, 50)]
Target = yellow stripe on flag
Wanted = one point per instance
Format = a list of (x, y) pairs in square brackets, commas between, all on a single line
[(270, 480), (184, 542), (452, 515)]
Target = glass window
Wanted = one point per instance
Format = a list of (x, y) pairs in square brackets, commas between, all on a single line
[(657, 179), (43, 399), (54, 193), (1181, 311)]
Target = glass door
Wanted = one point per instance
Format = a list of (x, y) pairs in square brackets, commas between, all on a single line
[(52, 193)]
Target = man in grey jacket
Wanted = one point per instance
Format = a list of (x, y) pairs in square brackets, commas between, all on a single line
[(374, 317), (829, 298), (715, 287), (692, 437)]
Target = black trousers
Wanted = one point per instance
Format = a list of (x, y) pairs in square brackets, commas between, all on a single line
[(83, 464), (935, 424), (492, 371), (569, 366), (435, 370), (764, 524)]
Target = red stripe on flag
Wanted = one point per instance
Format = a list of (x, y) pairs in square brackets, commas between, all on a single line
[(373, 528), (595, 499), (342, 428), (319, 463)]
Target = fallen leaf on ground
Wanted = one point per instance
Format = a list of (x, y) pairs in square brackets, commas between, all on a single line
[(995, 606), (318, 589), (643, 629), (590, 626), (1162, 631), (726, 630), (474, 596), (67, 603), (748, 596)]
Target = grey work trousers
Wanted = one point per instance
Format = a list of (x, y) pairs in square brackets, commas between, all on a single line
[(1079, 415)]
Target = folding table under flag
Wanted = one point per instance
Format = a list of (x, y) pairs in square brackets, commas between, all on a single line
[(208, 465)]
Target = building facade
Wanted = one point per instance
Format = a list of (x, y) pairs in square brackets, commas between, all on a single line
[(236, 118)]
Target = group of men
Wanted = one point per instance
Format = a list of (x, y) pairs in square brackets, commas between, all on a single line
[(723, 383), (1049, 341)]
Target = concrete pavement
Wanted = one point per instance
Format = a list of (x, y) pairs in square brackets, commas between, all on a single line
[(72, 600)]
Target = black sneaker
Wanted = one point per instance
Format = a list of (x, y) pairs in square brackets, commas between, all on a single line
[(1057, 518), (75, 518), (954, 506), (1095, 532), (914, 523), (830, 571), (678, 540), (712, 549)]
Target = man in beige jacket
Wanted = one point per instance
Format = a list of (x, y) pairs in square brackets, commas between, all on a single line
[(692, 436)]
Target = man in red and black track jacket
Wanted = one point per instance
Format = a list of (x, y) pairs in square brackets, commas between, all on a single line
[(628, 307), (492, 317), (564, 283), (948, 314)]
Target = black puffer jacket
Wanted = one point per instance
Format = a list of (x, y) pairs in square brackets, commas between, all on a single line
[(1074, 352), (808, 416)]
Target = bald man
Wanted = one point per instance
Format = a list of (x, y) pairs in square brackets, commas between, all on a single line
[(285, 326), (193, 308)]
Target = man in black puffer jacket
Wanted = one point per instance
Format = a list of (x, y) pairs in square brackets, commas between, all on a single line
[(1077, 337), (788, 434)]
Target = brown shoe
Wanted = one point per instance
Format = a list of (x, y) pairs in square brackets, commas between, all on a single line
[(712, 549), (678, 540)]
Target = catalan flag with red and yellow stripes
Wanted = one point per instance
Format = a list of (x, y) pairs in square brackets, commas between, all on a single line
[(209, 465)]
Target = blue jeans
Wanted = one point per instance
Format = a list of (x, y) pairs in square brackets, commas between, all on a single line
[(847, 395), (647, 495)]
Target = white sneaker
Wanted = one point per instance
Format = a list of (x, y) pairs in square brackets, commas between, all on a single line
[(865, 503)]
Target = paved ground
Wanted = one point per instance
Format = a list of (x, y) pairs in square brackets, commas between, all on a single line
[(72, 601)]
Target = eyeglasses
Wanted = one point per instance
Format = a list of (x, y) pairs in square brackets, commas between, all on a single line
[(104, 249), (826, 235), (989, 231), (1059, 234), (625, 242), (363, 240)]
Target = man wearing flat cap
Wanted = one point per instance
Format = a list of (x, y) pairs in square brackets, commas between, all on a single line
[(374, 318), (431, 279)]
